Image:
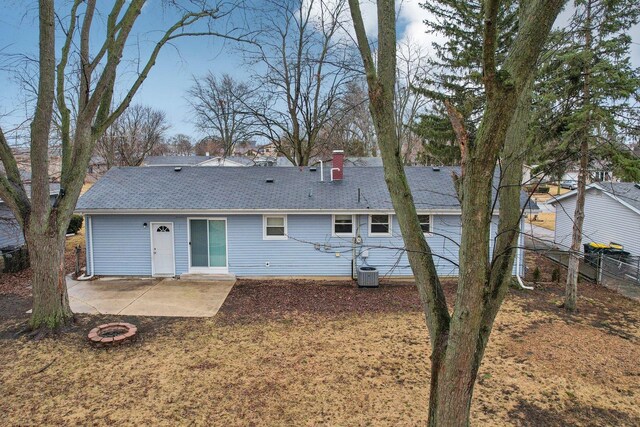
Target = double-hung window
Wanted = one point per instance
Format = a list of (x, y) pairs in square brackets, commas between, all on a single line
[(274, 227), (425, 224), (379, 225), (343, 225)]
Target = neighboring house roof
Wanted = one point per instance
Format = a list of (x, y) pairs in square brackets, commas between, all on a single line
[(246, 189), (227, 161), (198, 161), (360, 161), (54, 189), (174, 160), (627, 193)]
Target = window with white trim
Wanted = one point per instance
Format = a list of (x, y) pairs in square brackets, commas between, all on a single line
[(343, 225), (274, 227), (425, 223), (380, 225)]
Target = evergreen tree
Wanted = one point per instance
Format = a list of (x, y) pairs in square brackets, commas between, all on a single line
[(591, 54), (586, 91), (457, 75)]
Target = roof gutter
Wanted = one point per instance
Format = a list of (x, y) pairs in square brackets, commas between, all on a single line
[(256, 211)]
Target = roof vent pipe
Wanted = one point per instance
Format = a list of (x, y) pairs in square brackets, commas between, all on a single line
[(321, 171), (337, 165)]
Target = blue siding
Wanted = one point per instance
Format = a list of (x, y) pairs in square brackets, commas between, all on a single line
[(122, 246), (249, 253), (605, 220), (387, 254), (10, 230)]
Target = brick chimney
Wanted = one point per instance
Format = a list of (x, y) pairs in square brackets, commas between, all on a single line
[(337, 165)]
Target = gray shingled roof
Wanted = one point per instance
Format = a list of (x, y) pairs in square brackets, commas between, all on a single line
[(174, 160), (627, 192), (219, 188)]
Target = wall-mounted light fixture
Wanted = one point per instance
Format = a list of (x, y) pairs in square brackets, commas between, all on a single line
[(144, 225)]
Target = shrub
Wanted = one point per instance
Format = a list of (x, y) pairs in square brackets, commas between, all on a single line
[(15, 260), (75, 224), (536, 275), (543, 189), (555, 275)]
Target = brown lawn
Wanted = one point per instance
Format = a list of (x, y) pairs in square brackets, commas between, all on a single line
[(282, 353), (543, 219)]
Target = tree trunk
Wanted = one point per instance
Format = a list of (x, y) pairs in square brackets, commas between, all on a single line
[(571, 290), (50, 300)]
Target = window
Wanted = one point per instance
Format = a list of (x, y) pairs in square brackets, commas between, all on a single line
[(343, 225), (208, 242), (380, 225), (275, 227), (425, 223), (163, 229)]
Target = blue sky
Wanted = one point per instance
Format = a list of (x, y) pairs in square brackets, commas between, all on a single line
[(169, 80)]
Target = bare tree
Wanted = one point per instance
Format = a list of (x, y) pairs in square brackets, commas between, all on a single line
[(303, 68), (351, 128), (181, 145), (83, 119), (458, 339), (220, 107), (132, 136), (411, 68)]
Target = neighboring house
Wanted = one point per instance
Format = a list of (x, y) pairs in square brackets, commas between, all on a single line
[(97, 167), (11, 235), (268, 150), (166, 221), (596, 174), (612, 214), (530, 176), (197, 161), (360, 161), (279, 161)]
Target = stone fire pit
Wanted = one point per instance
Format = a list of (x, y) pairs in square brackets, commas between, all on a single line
[(112, 334)]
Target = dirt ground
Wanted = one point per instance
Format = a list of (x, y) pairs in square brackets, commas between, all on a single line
[(285, 353)]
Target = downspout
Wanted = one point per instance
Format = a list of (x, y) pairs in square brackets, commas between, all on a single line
[(354, 242), (89, 223), (518, 263)]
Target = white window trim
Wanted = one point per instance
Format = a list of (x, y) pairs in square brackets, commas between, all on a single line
[(211, 270), (389, 234), (264, 228), (333, 226), (430, 233)]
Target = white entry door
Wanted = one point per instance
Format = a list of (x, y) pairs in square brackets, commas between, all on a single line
[(162, 249)]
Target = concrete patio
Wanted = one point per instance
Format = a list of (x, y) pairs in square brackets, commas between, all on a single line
[(148, 296)]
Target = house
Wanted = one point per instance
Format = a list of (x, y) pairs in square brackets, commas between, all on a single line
[(268, 150), (97, 167), (11, 235), (598, 172), (612, 214), (360, 161), (531, 176), (167, 221), (198, 161)]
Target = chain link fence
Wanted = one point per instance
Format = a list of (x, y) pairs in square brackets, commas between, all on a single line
[(621, 274)]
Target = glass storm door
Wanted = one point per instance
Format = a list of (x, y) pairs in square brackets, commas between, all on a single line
[(208, 244)]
